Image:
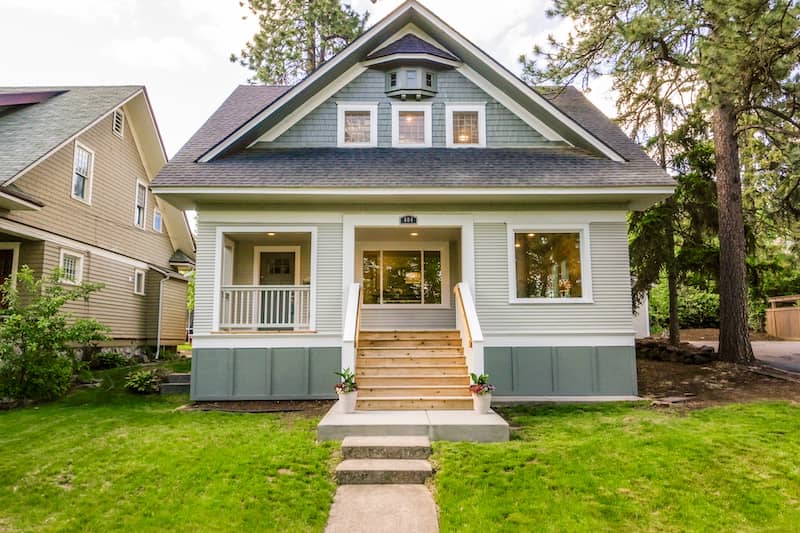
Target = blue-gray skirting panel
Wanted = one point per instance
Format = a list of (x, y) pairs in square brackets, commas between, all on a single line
[(562, 371), (265, 373)]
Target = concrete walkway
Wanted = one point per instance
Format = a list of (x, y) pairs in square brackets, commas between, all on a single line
[(383, 509), (784, 355)]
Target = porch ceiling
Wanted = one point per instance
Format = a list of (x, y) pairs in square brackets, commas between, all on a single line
[(404, 234)]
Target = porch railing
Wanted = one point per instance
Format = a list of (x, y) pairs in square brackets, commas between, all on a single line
[(265, 307), (352, 326), (470, 328)]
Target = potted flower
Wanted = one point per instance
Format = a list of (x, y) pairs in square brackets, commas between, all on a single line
[(481, 391), (347, 390), (564, 286)]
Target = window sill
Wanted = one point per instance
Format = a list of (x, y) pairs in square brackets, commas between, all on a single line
[(81, 200), (550, 301)]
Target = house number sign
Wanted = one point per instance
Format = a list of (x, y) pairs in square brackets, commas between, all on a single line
[(408, 219)]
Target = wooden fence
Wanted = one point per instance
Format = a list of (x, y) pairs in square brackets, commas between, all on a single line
[(783, 317)]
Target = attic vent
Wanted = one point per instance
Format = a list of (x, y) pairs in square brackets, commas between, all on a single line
[(118, 124)]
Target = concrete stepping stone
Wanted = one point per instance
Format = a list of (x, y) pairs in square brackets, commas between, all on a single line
[(387, 447), (382, 509), (383, 471)]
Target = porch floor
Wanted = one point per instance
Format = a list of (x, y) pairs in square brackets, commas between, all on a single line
[(452, 425)]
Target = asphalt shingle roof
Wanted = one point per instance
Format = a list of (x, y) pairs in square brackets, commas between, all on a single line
[(29, 132), (388, 167), (411, 44)]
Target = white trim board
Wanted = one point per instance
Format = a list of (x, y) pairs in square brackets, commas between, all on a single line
[(564, 399), (408, 191), (267, 340), (509, 339)]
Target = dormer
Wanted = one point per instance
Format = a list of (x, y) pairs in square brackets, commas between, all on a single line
[(411, 65)]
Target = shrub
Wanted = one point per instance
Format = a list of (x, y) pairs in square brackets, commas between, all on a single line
[(105, 360), (145, 381), (696, 308), (37, 359)]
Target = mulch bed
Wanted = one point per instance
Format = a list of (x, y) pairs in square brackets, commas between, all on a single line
[(310, 407)]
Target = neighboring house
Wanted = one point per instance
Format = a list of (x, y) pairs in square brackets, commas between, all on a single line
[(75, 170), (413, 210)]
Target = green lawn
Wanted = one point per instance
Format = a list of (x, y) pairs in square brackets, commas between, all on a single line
[(105, 460), (628, 468)]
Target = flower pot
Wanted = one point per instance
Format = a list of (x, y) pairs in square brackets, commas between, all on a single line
[(347, 401), (482, 403)]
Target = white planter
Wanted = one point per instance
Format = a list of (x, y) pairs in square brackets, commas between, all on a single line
[(482, 403), (347, 401)]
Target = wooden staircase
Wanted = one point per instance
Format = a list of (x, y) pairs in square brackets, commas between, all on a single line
[(411, 370)]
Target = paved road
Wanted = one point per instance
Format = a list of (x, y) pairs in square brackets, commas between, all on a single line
[(780, 354)]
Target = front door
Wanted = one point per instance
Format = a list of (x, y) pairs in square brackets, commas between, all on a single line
[(277, 305)]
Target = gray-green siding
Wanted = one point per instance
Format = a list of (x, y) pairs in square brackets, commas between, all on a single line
[(562, 371), (264, 373), (318, 128)]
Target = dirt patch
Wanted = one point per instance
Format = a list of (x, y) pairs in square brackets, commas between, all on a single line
[(712, 384), (712, 334), (310, 407)]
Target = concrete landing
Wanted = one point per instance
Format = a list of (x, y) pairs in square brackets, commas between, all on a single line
[(382, 509), (437, 425)]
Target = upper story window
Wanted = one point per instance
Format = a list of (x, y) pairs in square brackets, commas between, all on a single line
[(158, 223), (550, 265), (71, 265), (357, 125), (411, 83), (82, 171), (466, 125), (118, 123), (140, 215), (411, 125), (138, 282)]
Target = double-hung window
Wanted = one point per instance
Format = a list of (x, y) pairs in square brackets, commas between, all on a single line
[(71, 266), (411, 125), (140, 215), (465, 125), (82, 171), (158, 222), (357, 125), (549, 264)]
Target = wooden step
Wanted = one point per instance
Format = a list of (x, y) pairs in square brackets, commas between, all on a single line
[(410, 335), (391, 370), (418, 403), (413, 391), (411, 350), (417, 343), (406, 379), (366, 360)]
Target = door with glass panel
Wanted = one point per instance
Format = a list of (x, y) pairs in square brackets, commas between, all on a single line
[(277, 306)]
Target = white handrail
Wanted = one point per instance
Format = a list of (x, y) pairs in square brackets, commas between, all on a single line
[(351, 326), (468, 324)]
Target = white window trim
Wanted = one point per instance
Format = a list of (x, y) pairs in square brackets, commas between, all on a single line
[(342, 108), (439, 246), (121, 133), (135, 200), (79, 274), (480, 108), (586, 263), (411, 106), (160, 218), (14, 247), (89, 178), (288, 248), (136, 273)]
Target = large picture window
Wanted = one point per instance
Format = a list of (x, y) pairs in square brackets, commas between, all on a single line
[(549, 265), (403, 277)]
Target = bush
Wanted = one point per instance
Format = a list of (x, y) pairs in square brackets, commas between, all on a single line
[(37, 339), (696, 308), (106, 360), (145, 381)]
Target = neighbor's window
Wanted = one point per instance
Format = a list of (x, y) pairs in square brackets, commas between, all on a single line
[(548, 265), (465, 127), (357, 127), (402, 277), (157, 221), (83, 167), (141, 205), (411, 127), (71, 265), (138, 282)]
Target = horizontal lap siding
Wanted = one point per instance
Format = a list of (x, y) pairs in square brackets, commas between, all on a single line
[(408, 319), (610, 312), (173, 311), (318, 128)]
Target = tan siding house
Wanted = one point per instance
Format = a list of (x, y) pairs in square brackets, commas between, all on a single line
[(75, 169)]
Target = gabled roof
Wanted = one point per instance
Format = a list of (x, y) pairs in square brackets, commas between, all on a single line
[(477, 66), (411, 44)]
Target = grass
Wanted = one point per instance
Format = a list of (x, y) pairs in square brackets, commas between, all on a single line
[(628, 468), (103, 460)]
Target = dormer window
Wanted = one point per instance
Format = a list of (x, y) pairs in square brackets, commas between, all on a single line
[(429, 80), (465, 125), (411, 79), (412, 83), (393, 79), (357, 125)]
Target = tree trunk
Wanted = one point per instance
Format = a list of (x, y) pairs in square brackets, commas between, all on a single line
[(672, 278), (734, 337)]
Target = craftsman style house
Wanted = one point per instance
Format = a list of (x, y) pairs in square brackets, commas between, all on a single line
[(75, 170), (414, 211)]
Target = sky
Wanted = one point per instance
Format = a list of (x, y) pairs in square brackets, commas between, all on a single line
[(179, 49)]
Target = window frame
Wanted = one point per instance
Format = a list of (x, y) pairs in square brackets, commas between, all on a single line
[(118, 112), (425, 107), (89, 179), (143, 226), (380, 246), (157, 213), (79, 274), (449, 109), (136, 273), (586, 262), (344, 107)]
